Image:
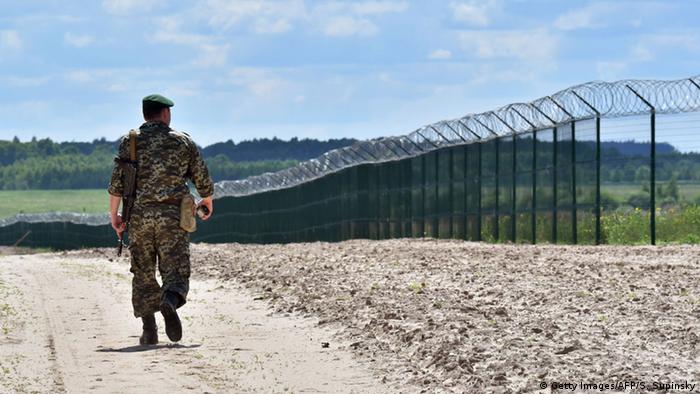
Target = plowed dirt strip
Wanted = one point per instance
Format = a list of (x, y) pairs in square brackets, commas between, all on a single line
[(66, 326), (452, 316)]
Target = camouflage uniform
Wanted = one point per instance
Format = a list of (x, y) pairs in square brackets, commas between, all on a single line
[(166, 160)]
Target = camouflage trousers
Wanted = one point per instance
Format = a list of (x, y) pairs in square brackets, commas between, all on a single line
[(156, 239)]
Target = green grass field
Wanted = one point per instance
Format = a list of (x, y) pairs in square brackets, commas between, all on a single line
[(35, 201), (96, 200), (621, 192)]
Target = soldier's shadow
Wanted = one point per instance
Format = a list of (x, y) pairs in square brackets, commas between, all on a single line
[(145, 348)]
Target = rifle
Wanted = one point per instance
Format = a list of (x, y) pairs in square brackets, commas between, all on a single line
[(129, 169)]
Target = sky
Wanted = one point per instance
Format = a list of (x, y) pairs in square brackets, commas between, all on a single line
[(241, 69)]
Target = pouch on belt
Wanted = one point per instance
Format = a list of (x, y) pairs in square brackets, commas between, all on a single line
[(187, 219)]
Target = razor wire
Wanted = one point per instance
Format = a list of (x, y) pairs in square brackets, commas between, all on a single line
[(605, 99)]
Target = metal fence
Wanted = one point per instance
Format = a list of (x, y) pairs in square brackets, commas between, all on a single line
[(596, 163)]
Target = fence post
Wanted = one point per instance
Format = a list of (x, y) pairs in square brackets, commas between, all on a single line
[(422, 195), (512, 193), (555, 179), (652, 177), (498, 203), (534, 190), (478, 196), (436, 201), (574, 207), (534, 187), (451, 192), (597, 180), (597, 160), (465, 220)]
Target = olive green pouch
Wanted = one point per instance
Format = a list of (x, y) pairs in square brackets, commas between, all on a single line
[(187, 219)]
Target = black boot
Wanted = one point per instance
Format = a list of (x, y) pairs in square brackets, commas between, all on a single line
[(168, 307), (150, 331)]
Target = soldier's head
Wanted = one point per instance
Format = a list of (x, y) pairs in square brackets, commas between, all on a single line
[(157, 108)]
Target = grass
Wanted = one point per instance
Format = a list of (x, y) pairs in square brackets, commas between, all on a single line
[(37, 201), (621, 192), (673, 225)]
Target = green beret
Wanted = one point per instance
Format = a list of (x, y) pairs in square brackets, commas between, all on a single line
[(158, 100)]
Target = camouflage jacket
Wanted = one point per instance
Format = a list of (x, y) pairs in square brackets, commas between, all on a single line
[(166, 159)]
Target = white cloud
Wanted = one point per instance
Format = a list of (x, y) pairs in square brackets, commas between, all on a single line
[(440, 54), (610, 70), (641, 53), (267, 26), (352, 18), (649, 48), (117, 87), (335, 19), (487, 73), (259, 82), (178, 38), (26, 82), (10, 39), (210, 53), (537, 45), (81, 76), (476, 13), (360, 8), (603, 14), (123, 7), (584, 18), (688, 41), (265, 16), (184, 89), (378, 7), (78, 41), (42, 19), (346, 26)]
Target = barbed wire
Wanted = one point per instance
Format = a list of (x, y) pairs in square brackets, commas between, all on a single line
[(604, 99)]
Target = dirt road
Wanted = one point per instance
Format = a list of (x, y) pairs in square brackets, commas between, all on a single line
[(66, 326)]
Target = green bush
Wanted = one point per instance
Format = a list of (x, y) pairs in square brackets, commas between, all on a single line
[(629, 226), (678, 225)]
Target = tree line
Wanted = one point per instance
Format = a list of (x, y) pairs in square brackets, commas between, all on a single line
[(263, 149), (44, 164), (93, 171)]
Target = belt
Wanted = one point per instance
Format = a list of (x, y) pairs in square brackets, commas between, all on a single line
[(170, 201)]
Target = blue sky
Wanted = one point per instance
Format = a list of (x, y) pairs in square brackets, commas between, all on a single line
[(242, 69)]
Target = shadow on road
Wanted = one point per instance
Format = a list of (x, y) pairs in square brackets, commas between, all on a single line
[(140, 348)]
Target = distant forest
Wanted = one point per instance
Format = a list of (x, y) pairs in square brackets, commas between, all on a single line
[(44, 164)]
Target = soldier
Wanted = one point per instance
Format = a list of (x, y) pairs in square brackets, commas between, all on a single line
[(166, 159)]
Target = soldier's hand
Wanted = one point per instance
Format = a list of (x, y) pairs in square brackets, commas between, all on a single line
[(209, 203), (117, 224)]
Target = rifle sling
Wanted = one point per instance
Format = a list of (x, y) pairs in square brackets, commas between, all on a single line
[(132, 145)]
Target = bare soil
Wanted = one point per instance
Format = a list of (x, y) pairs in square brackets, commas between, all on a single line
[(397, 316), (452, 316)]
